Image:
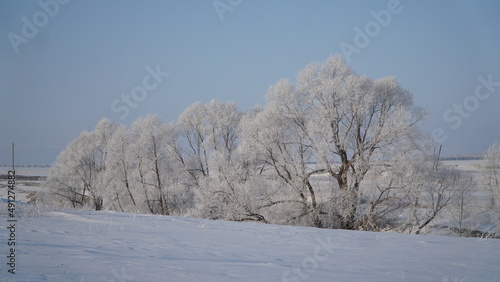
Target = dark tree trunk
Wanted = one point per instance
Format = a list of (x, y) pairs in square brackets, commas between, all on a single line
[(98, 202)]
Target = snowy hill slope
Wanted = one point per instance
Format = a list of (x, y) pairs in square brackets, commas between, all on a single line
[(108, 246)]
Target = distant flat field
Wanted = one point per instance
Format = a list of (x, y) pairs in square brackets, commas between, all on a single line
[(26, 171)]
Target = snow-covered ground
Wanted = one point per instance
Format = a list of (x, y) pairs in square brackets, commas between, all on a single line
[(109, 246)]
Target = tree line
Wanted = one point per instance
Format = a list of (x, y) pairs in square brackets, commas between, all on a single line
[(335, 150)]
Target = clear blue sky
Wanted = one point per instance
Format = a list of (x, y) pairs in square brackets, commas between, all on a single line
[(88, 53)]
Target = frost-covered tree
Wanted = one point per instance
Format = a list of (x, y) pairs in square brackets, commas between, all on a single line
[(152, 167), (63, 182), (102, 135), (123, 193), (280, 148), (337, 120), (382, 195), (428, 190), (80, 171), (463, 204), (204, 147), (204, 130)]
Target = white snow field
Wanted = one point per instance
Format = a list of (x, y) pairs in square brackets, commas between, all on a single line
[(110, 246)]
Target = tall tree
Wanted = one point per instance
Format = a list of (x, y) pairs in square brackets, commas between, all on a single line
[(149, 140), (204, 148), (338, 120), (120, 171), (80, 171)]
